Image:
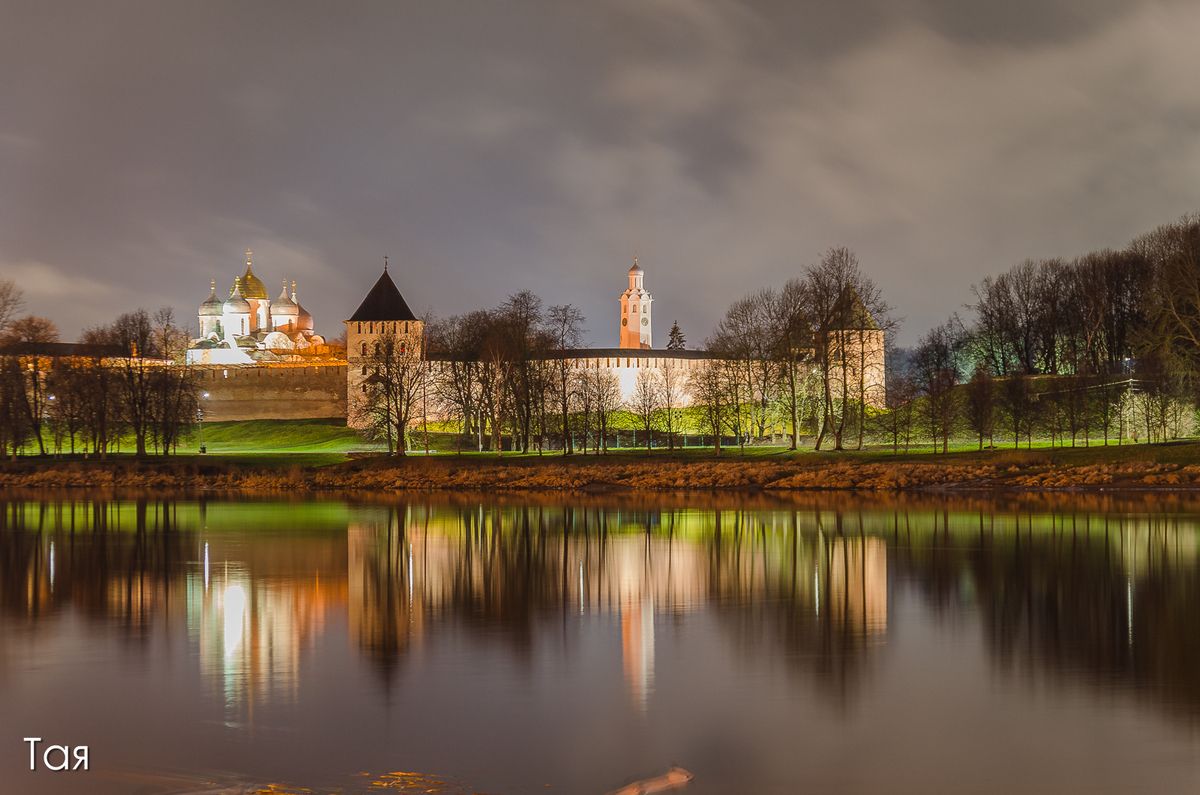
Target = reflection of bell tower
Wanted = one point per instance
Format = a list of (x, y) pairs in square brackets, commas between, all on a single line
[(635, 311)]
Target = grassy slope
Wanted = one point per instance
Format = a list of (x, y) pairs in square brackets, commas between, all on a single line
[(280, 436)]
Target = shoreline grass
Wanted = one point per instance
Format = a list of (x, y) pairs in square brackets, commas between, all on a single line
[(1170, 465)]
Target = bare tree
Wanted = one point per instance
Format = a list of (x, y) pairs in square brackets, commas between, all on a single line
[(30, 329), (603, 397), (646, 401), (936, 367), (565, 325), (24, 335), (828, 293), (709, 386), (1016, 399), (900, 402), (14, 416), (672, 390), (99, 383), (793, 325), (393, 389), (12, 300), (981, 403)]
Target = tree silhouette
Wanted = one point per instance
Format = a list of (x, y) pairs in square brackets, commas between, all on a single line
[(675, 340)]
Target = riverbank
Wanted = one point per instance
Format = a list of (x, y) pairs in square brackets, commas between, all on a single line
[(1174, 467)]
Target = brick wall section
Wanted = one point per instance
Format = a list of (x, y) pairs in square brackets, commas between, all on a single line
[(273, 392)]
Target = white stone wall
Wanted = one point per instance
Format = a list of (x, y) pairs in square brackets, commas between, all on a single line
[(627, 366)]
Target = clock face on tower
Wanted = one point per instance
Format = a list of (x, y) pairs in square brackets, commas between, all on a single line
[(624, 321), (645, 321)]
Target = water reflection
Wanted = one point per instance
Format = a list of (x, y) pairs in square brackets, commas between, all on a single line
[(1103, 599)]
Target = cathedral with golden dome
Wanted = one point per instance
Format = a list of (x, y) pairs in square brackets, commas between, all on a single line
[(247, 327)]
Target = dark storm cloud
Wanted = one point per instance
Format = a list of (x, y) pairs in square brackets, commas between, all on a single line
[(490, 147)]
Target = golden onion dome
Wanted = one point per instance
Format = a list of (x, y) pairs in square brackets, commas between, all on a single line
[(252, 286)]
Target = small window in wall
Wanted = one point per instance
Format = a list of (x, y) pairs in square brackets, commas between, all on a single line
[(364, 349), (224, 373), (364, 369)]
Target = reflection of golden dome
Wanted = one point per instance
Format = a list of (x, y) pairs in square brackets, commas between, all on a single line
[(252, 286)]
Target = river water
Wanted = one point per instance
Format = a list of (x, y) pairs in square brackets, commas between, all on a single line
[(488, 645)]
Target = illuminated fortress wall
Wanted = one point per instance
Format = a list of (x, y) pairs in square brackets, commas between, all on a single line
[(274, 392)]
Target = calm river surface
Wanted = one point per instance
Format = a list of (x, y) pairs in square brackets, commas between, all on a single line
[(462, 646)]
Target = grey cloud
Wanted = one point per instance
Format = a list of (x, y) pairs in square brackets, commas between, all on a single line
[(490, 147)]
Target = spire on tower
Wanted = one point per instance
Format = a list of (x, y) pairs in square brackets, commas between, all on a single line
[(249, 259), (385, 263)]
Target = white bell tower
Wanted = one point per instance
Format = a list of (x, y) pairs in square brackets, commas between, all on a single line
[(635, 310)]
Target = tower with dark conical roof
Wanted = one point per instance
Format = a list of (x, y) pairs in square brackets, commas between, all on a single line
[(382, 312)]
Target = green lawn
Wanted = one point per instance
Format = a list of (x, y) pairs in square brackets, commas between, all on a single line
[(303, 443), (327, 437)]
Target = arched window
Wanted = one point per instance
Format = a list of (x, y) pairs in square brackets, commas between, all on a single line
[(364, 369), (364, 349), (377, 349)]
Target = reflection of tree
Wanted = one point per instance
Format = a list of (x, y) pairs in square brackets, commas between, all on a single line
[(1114, 596), (814, 597), (116, 562), (507, 572), (382, 616), (144, 565), (1114, 599)]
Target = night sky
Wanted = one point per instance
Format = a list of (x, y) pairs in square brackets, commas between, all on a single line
[(488, 147)]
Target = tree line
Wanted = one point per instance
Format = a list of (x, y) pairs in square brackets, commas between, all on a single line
[(114, 385), (1103, 347)]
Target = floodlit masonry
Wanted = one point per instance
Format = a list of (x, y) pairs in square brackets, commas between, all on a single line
[(385, 311), (248, 327), (248, 335)]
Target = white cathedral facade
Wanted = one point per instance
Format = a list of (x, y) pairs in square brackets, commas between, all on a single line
[(247, 327)]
